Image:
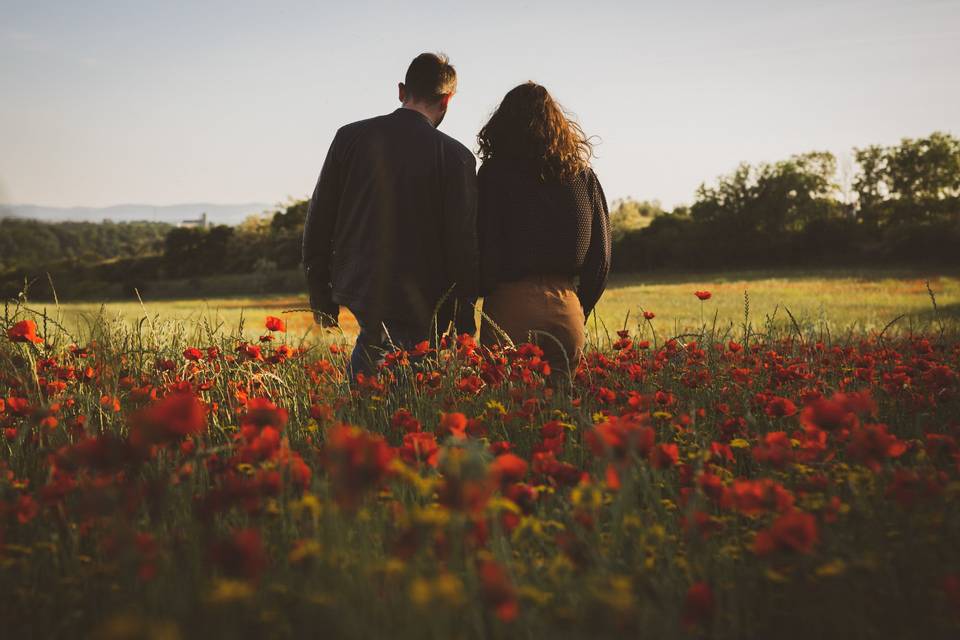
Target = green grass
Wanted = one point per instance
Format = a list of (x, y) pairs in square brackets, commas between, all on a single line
[(839, 300), (832, 300)]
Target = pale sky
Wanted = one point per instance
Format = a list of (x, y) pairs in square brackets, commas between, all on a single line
[(106, 102)]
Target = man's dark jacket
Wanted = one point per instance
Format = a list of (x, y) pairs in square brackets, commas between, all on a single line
[(391, 226)]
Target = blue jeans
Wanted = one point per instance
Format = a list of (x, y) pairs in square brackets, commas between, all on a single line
[(378, 337)]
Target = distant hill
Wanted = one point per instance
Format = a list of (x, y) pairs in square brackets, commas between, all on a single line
[(171, 214)]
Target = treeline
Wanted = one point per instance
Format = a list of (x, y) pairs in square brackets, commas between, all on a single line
[(900, 206), (30, 244), (145, 257), (260, 244)]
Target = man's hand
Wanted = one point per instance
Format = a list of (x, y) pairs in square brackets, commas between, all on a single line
[(325, 320)]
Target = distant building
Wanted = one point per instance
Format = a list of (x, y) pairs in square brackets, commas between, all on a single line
[(200, 223)]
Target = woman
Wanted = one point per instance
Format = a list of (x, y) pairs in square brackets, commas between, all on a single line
[(544, 227)]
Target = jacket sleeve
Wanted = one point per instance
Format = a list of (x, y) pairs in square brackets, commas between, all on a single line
[(461, 245), (489, 228), (318, 235), (596, 266)]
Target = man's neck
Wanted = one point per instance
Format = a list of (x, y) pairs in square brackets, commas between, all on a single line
[(421, 110)]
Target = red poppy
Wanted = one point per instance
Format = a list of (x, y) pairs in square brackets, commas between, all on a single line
[(498, 591), (545, 463), (452, 424), (470, 384), (193, 354), (779, 407), (260, 427), (24, 331), (841, 411), (26, 509), (251, 351), (174, 417), (871, 445), (720, 453), (420, 349), (776, 449), (403, 420), (795, 531), (813, 443), (418, 448), (664, 398), (703, 295), (664, 455), (260, 414), (712, 486), (552, 434), (110, 403), (322, 412), (698, 605), (357, 462), (500, 447), (298, 470), (508, 468), (753, 497), (649, 315), (606, 396), (18, 406), (618, 436), (276, 324)]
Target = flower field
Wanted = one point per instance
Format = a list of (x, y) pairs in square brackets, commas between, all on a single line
[(749, 482)]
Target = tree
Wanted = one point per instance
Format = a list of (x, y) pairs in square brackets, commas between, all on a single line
[(727, 204), (629, 215), (771, 198), (194, 251), (915, 182), (871, 184), (924, 175), (792, 193), (292, 218)]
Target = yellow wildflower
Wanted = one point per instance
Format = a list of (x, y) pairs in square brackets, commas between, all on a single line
[(226, 590), (833, 568)]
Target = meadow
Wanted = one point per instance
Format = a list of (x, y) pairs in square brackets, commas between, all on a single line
[(860, 300), (717, 468)]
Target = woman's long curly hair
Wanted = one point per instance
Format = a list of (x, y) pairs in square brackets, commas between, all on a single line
[(529, 126)]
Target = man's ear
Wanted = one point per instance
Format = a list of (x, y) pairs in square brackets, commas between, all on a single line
[(445, 100), (402, 91)]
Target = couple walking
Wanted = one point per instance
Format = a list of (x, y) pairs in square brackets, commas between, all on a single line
[(405, 233)]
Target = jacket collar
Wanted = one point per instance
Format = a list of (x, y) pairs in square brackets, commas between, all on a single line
[(409, 113)]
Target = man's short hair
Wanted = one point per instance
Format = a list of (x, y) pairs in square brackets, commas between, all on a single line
[(429, 77)]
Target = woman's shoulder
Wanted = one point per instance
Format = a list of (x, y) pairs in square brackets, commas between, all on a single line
[(521, 173), (588, 179), (587, 175), (582, 182), (497, 165), (505, 169)]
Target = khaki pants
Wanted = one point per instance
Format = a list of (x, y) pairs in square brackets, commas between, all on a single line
[(543, 310)]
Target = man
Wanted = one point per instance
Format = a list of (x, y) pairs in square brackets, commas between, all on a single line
[(391, 228)]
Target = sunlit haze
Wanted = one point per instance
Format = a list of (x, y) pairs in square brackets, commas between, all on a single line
[(166, 102)]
